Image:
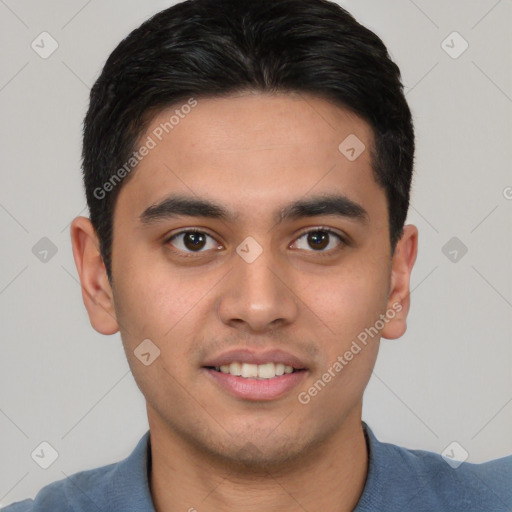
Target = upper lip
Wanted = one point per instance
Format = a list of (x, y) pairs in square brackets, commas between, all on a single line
[(244, 355)]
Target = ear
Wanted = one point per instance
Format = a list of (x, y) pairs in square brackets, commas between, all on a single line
[(96, 290), (399, 293)]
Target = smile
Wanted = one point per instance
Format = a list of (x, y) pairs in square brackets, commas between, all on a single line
[(255, 371), (253, 387)]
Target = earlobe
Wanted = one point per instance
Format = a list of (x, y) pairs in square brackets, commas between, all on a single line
[(399, 295), (96, 290)]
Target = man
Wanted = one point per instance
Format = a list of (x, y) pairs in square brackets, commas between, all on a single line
[(247, 165)]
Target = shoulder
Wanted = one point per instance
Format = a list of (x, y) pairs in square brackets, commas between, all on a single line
[(468, 486), (401, 478), (119, 486), (85, 490)]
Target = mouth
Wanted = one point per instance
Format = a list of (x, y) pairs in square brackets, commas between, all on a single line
[(264, 371), (258, 377)]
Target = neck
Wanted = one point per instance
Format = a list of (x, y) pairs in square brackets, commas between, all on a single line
[(329, 477)]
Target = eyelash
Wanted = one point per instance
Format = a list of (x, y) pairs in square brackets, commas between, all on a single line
[(192, 254)]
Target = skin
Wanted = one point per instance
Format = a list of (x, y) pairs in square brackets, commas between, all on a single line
[(253, 153)]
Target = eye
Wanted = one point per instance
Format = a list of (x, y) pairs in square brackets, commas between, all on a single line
[(319, 240), (192, 241)]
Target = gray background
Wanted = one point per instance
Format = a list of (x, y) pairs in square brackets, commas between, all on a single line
[(447, 379)]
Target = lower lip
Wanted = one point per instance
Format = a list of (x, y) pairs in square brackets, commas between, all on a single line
[(257, 389)]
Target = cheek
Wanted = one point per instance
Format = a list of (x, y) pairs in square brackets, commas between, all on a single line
[(349, 303), (157, 306), (165, 305), (350, 299), (149, 302)]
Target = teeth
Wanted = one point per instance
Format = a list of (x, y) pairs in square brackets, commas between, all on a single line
[(249, 370), (255, 371), (267, 371), (235, 368)]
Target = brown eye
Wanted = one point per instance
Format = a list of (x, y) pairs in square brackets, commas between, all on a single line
[(192, 241), (318, 240)]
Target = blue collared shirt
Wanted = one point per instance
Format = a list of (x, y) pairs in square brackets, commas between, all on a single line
[(398, 480)]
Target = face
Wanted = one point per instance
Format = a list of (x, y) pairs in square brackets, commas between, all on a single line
[(271, 239)]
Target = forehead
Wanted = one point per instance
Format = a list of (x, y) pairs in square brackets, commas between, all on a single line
[(252, 150), (256, 121)]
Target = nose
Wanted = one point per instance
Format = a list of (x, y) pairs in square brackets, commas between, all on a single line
[(257, 296)]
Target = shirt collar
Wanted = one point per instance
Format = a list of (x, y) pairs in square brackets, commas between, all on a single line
[(130, 491), (384, 476)]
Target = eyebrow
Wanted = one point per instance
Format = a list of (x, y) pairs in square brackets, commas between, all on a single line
[(178, 206)]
